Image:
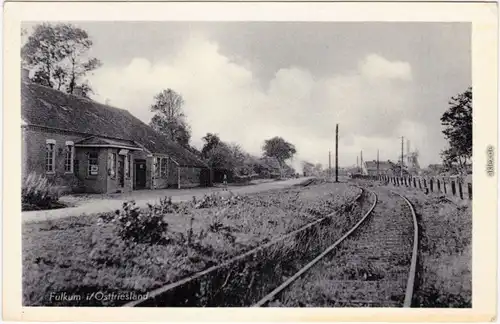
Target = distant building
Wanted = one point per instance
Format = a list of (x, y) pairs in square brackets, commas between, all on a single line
[(370, 168)]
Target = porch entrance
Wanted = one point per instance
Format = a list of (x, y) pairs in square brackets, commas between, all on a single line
[(140, 174), (121, 170)]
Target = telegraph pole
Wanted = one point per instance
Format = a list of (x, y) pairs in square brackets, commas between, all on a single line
[(361, 166), (378, 170), (329, 164), (402, 155), (337, 153)]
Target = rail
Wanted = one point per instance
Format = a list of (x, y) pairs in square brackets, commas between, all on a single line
[(159, 291), (410, 285), (308, 266)]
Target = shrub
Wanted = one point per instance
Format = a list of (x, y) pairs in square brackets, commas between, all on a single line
[(144, 226), (38, 193), (215, 200)]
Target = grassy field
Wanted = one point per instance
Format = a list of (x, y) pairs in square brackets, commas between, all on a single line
[(82, 255), (445, 265)]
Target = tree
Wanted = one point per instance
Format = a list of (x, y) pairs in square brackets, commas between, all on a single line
[(169, 118), (307, 168), (318, 169), (457, 122), (220, 157), (58, 55), (278, 148), (211, 141)]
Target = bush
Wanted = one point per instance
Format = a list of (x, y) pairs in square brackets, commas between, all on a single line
[(215, 200), (144, 226), (38, 193)]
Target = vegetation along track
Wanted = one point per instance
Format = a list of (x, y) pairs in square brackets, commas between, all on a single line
[(372, 267), (243, 279)]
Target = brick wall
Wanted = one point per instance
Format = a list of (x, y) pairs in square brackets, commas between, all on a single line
[(33, 160), (93, 183), (34, 152)]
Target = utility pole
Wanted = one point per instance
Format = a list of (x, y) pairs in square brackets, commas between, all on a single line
[(378, 170), (361, 169), (402, 155), (337, 153), (329, 164)]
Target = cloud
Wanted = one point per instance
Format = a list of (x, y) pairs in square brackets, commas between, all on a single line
[(225, 97), (377, 67)]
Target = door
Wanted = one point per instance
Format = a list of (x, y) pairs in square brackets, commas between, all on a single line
[(121, 170), (140, 174)]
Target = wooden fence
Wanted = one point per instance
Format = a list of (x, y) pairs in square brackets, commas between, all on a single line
[(453, 186)]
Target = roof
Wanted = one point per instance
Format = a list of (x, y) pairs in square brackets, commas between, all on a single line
[(94, 141), (47, 107), (382, 165)]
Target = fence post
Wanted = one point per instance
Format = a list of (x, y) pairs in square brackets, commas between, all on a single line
[(414, 182), (444, 186), (425, 183), (431, 184), (453, 189), (460, 190), (419, 184), (439, 185), (469, 189)]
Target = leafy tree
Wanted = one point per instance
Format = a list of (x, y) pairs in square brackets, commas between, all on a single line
[(58, 55), (220, 157), (268, 166), (211, 141), (278, 148), (169, 118), (457, 122), (307, 168), (318, 169)]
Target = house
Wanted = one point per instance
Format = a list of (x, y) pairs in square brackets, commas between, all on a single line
[(370, 168), (86, 146)]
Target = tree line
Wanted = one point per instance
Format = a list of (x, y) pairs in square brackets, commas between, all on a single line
[(169, 119)]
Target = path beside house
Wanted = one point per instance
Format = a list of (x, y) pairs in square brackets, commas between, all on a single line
[(91, 204)]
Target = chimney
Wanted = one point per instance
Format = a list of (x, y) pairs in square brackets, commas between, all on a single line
[(25, 75)]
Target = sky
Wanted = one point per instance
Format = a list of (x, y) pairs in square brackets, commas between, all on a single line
[(250, 81)]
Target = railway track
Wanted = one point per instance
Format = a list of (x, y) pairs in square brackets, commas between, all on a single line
[(229, 283), (213, 280), (372, 267)]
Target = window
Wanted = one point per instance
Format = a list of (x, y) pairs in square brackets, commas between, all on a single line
[(164, 163), (50, 156), (93, 166), (69, 157)]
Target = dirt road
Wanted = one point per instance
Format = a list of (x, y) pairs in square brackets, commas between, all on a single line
[(99, 203)]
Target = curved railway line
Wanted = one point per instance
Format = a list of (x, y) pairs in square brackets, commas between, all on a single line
[(378, 243), (398, 230)]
